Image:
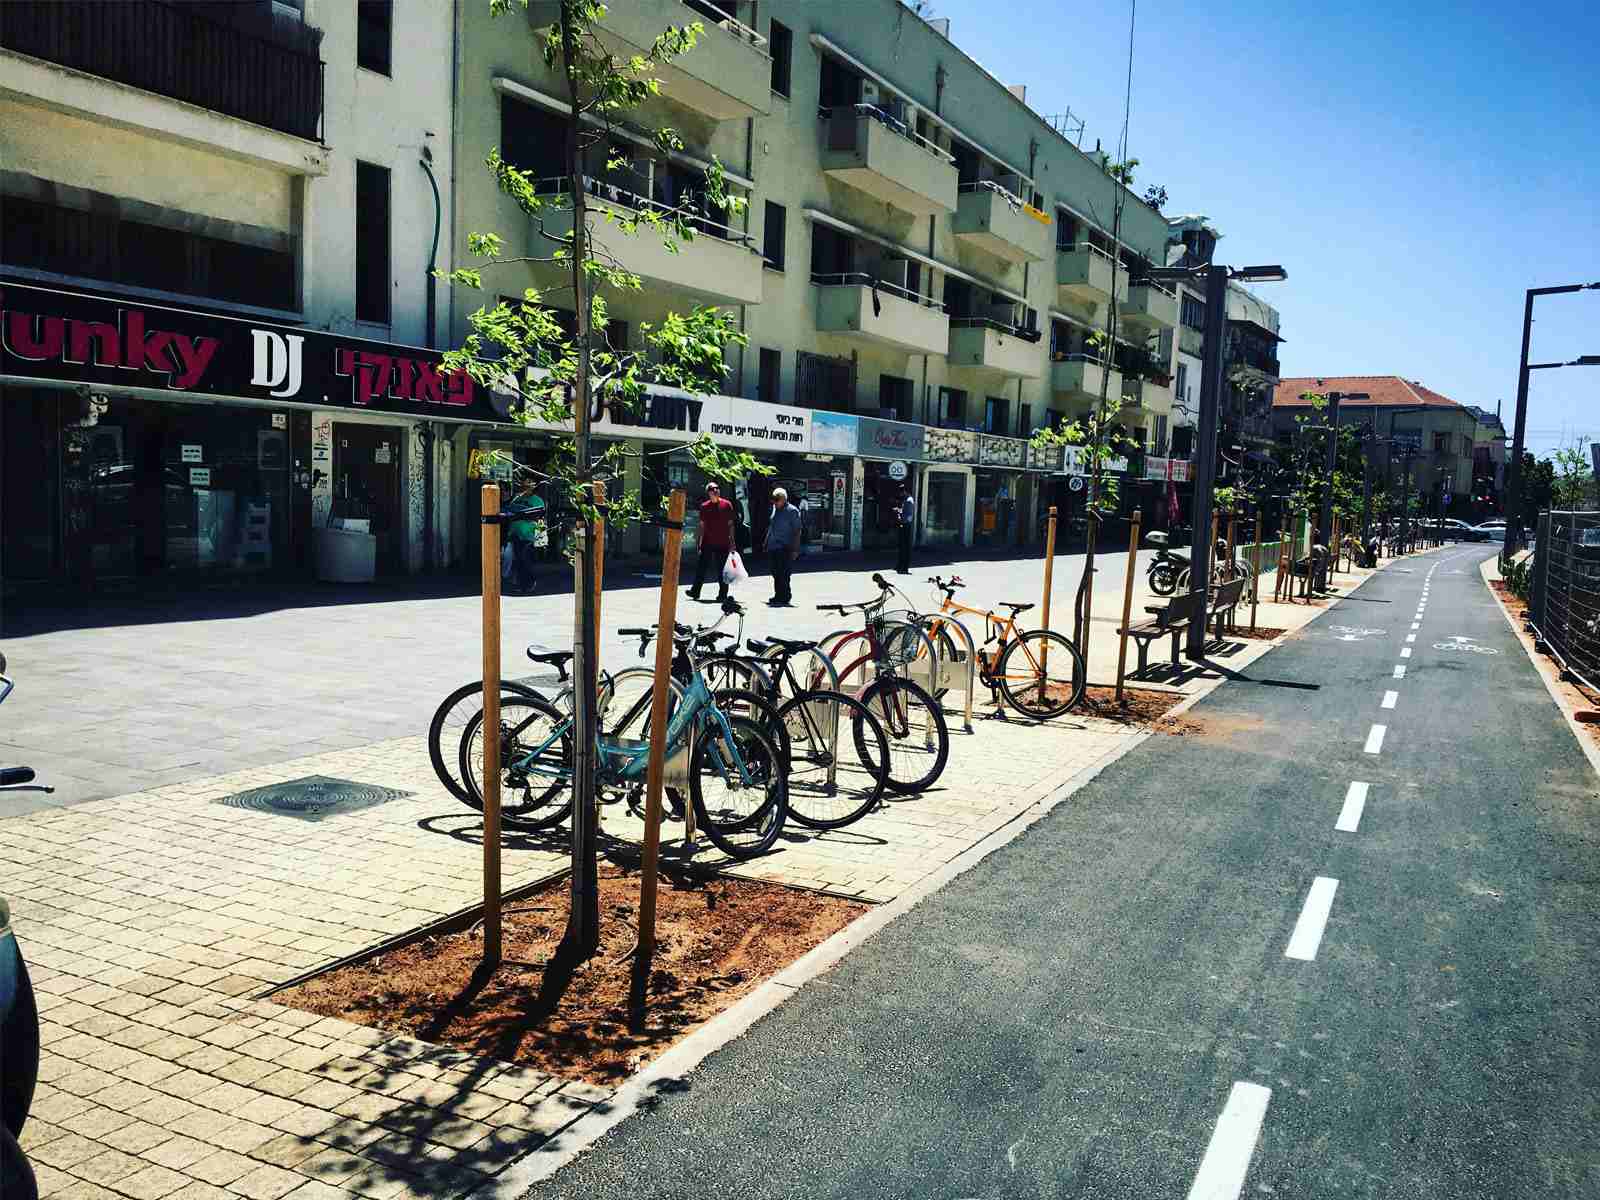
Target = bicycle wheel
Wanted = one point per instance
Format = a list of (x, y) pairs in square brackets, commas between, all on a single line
[(728, 671), (1163, 580), (919, 742), (452, 715), (741, 818), (1041, 674), (745, 703), (535, 763), (831, 782), (624, 702), (907, 650)]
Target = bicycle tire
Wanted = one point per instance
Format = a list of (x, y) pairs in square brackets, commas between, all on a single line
[(740, 835), (630, 720), (550, 806), (811, 718), (1163, 581), (894, 701), (731, 671), (442, 717), (745, 703), (1018, 661)]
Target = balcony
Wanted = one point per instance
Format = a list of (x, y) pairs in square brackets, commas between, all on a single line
[(1084, 274), (1191, 340), (720, 266), (995, 220), (874, 153), (173, 51), (1081, 376), (982, 344), (726, 77), (1149, 307), (899, 318)]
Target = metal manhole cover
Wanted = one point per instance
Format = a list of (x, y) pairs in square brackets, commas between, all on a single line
[(313, 797)]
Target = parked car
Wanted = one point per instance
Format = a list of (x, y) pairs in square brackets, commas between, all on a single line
[(1493, 531)]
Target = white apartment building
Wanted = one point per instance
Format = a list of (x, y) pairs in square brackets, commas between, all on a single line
[(218, 228)]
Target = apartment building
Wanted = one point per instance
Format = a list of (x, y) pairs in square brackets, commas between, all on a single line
[(920, 266), (216, 343), (1408, 425)]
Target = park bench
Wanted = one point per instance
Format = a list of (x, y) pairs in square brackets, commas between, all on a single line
[(1172, 618), (1225, 602)]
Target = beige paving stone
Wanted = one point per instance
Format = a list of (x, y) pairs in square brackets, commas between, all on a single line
[(244, 1071), (107, 1167), (60, 1108), (284, 1082), (226, 1097), (332, 1165), (266, 1182), (152, 1183), (197, 1189), (221, 1167), (136, 1137), (245, 1136), (77, 1189), (178, 1152), (66, 1151), (326, 1093), (287, 1150)]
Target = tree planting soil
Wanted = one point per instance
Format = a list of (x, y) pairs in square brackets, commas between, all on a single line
[(1262, 633), (717, 938), (1144, 706)]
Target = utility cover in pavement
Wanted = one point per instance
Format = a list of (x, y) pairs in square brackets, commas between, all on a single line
[(313, 797)]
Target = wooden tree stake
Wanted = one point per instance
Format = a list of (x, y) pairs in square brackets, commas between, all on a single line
[(661, 689), (1255, 567), (599, 587), (1049, 571), (1127, 599), (491, 727)]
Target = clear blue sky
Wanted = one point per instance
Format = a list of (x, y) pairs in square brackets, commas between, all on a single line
[(1414, 167)]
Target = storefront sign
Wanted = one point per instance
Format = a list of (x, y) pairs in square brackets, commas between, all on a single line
[(897, 470), (950, 445), (1178, 470), (888, 439), (840, 493), (1075, 483), (1155, 468), (194, 454), (111, 343), (199, 476), (997, 451), (1075, 461), (833, 433)]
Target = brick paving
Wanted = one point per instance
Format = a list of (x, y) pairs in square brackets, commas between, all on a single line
[(152, 921)]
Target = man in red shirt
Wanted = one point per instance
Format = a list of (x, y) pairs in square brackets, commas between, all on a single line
[(716, 541)]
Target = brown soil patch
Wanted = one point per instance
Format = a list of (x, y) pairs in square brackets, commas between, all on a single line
[(717, 939), (1143, 707), (1262, 633)]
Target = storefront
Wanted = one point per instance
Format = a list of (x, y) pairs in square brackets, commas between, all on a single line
[(888, 465), (141, 443), (999, 485)]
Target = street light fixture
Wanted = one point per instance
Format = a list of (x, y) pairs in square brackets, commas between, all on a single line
[(1514, 474), (1205, 473)]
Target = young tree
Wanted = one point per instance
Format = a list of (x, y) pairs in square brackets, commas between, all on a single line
[(1573, 478), (521, 347)]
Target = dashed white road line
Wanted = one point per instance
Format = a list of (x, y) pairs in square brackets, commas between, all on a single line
[(1375, 738), (1389, 699), (1399, 670), (1355, 800), (1233, 1143), (1411, 637), (1405, 652), (1416, 624), (1307, 935)]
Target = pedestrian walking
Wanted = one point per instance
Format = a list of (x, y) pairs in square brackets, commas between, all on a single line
[(905, 522), (716, 541), (783, 543)]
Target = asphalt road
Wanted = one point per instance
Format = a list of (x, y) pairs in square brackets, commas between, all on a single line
[(1108, 1007)]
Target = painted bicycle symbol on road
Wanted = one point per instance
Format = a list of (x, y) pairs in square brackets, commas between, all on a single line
[(1354, 633), (1464, 644)]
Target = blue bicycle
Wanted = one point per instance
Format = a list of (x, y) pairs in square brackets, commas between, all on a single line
[(735, 771)]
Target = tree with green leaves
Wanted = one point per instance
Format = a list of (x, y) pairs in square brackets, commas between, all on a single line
[(1573, 482), (566, 380)]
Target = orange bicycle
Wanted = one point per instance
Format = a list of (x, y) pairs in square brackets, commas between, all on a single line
[(1038, 672)]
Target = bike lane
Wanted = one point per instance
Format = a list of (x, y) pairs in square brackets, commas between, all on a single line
[(1076, 1015)]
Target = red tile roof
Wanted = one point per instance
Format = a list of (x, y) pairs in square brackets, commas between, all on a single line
[(1384, 390)]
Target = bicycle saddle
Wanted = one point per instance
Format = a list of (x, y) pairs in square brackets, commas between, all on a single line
[(1016, 609), (794, 644), (552, 658)]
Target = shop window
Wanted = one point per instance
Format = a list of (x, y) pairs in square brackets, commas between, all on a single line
[(374, 34), (894, 398), (773, 229), (769, 386), (780, 44), (996, 411), (372, 243)]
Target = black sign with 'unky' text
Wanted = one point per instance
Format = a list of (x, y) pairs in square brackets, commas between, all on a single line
[(109, 343)]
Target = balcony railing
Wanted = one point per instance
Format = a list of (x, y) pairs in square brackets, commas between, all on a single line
[(731, 24), (890, 122), (1020, 332), (560, 185), (173, 51), (862, 279)]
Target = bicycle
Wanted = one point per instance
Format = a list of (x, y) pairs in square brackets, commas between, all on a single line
[(919, 741), (736, 775), (1018, 669)]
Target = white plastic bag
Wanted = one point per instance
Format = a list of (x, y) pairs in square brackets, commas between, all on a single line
[(733, 570)]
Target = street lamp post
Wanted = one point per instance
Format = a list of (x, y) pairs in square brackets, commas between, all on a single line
[(1205, 467), (1514, 474)]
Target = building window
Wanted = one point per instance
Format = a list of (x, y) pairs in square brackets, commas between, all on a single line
[(1193, 313), (996, 411), (894, 398), (1025, 416), (374, 34), (1161, 434), (1180, 389), (773, 230), (769, 386), (372, 243), (780, 44), (533, 139), (952, 408)]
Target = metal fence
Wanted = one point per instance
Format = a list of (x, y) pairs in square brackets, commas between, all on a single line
[(1564, 592)]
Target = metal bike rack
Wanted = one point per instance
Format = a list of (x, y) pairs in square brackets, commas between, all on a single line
[(956, 676)]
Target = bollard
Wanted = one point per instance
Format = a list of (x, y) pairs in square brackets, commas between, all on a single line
[(1255, 582), (491, 726)]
